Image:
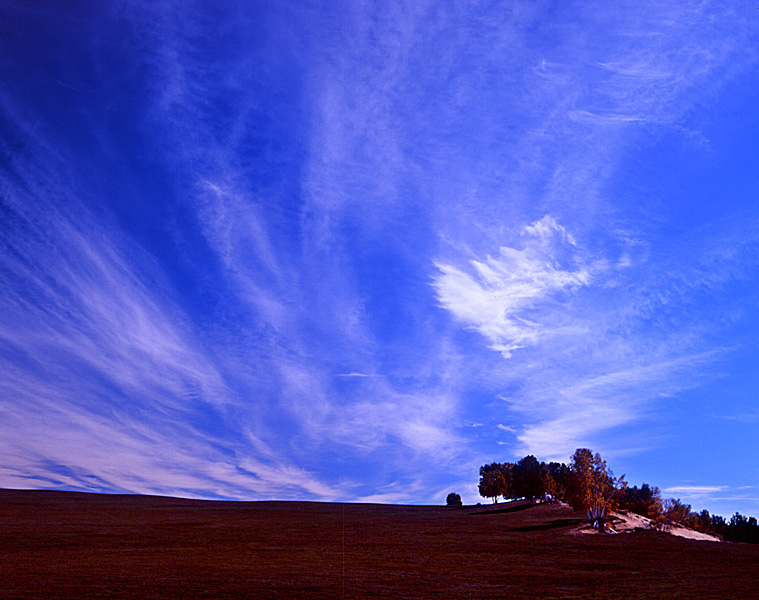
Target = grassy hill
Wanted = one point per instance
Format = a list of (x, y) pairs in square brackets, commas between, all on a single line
[(71, 545)]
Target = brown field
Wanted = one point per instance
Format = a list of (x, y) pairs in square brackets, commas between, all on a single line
[(69, 545)]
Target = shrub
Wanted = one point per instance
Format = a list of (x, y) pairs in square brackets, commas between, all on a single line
[(453, 500)]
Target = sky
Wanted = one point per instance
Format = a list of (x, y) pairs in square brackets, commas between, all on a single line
[(351, 251)]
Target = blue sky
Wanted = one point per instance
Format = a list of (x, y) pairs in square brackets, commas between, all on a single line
[(352, 251)]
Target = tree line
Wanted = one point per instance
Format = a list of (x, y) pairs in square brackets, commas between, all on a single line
[(587, 484)]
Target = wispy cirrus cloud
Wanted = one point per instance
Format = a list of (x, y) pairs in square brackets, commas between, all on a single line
[(103, 364), (334, 260), (292, 275)]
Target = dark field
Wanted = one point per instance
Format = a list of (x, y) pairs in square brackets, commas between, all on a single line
[(67, 545)]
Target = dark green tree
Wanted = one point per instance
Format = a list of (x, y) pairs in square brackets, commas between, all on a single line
[(645, 501), (529, 478), (742, 529), (557, 475), (493, 481)]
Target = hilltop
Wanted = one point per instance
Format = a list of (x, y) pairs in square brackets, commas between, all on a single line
[(61, 544)]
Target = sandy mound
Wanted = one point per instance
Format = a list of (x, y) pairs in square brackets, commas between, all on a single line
[(691, 534), (625, 522)]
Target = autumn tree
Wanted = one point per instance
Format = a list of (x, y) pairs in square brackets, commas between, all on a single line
[(674, 512), (592, 486), (700, 521)]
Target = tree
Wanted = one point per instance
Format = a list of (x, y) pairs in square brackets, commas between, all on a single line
[(674, 512), (592, 486), (742, 529), (557, 476), (453, 499), (701, 521), (507, 470), (529, 478), (493, 481), (645, 501)]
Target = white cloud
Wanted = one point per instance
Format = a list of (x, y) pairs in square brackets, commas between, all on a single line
[(557, 438), (606, 370), (496, 299), (355, 374), (749, 417), (694, 490), (422, 422)]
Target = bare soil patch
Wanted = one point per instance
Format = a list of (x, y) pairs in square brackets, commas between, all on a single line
[(69, 545)]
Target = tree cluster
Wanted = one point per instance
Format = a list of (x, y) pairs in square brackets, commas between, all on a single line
[(527, 479), (647, 501), (588, 485), (738, 529)]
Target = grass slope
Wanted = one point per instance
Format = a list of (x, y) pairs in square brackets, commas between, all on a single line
[(71, 545)]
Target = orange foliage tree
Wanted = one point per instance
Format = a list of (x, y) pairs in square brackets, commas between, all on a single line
[(591, 486)]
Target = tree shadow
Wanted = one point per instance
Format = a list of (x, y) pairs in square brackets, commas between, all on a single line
[(508, 509), (550, 525)]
